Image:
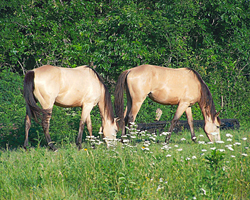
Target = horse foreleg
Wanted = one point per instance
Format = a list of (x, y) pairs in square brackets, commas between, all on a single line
[(79, 137), (190, 122), (180, 110), (27, 128), (45, 125), (86, 109)]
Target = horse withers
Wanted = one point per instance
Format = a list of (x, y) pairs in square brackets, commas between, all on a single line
[(67, 87), (183, 87)]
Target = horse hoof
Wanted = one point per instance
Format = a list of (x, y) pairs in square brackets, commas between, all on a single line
[(194, 139)]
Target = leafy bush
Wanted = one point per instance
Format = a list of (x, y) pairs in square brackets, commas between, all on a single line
[(12, 109), (211, 37)]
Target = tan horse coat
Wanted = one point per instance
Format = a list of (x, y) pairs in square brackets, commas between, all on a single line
[(67, 87), (183, 87)]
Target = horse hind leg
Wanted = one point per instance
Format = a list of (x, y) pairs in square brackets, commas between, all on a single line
[(180, 110), (27, 128), (132, 113), (45, 125)]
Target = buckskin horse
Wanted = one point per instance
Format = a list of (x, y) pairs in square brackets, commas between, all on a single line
[(183, 87), (67, 87)]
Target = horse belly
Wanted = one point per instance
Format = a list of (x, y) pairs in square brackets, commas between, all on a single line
[(76, 98), (174, 95), (164, 98)]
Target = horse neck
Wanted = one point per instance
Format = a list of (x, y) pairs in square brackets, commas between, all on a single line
[(206, 115), (206, 103), (106, 109)]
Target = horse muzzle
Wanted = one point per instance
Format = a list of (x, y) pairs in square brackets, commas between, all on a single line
[(214, 137)]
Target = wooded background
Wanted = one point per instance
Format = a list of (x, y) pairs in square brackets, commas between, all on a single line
[(212, 37)]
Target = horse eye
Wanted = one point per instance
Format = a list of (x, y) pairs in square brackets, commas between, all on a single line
[(217, 126)]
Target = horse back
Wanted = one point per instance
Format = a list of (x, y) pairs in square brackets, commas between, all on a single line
[(164, 85), (66, 87)]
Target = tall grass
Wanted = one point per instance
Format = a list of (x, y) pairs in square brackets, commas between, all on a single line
[(143, 168)]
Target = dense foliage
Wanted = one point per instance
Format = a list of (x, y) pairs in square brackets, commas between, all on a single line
[(212, 37)]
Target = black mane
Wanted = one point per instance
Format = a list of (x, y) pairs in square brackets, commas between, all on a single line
[(206, 102)]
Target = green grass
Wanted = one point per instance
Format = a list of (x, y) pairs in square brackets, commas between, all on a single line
[(137, 170)]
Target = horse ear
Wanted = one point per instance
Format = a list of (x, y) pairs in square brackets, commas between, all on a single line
[(117, 119), (217, 114)]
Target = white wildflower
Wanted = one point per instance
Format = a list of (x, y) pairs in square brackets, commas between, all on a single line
[(229, 139), (213, 148), (145, 148), (244, 154), (201, 135), (179, 149), (166, 133), (159, 188), (230, 148), (183, 139), (221, 150), (124, 136), (229, 135), (204, 191), (244, 138), (152, 138), (201, 142), (237, 143), (194, 157), (220, 142), (168, 155)]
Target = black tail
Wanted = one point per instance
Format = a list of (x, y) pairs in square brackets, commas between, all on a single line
[(119, 90), (32, 109)]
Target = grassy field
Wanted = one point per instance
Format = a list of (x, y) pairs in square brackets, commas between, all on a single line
[(143, 168)]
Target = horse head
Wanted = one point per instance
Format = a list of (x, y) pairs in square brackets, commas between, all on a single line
[(212, 128), (109, 131)]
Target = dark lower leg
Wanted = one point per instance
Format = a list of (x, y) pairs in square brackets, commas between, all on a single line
[(27, 128), (173, 123), (190, 123), (89, 125), (181, 108), (79, 138), (45, 125)]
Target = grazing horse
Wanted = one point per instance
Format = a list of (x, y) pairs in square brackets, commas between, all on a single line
[(67, 87), (183, 87)]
